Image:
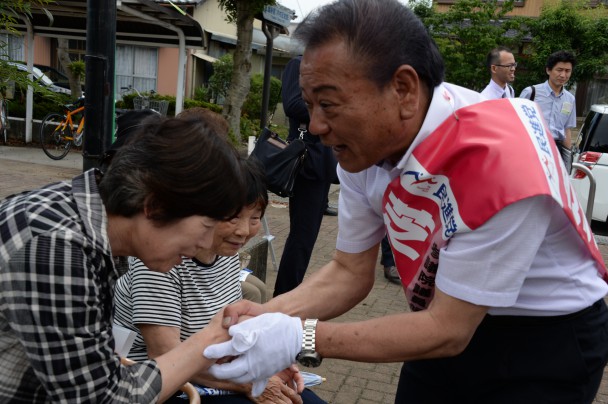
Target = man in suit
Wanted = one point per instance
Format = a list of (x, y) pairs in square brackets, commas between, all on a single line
[(307, 206)]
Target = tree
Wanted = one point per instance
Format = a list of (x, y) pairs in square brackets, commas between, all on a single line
[(571, 27), (241, 12), (73, 70), (470, 28), (219, 82), (9, 17), (465, 34)]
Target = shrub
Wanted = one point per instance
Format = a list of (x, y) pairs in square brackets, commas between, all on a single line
[(252, 106), (219, 82), (202, 94), (42, 106)]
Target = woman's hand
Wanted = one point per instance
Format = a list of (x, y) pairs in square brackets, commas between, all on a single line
[(277, 391), (233, 312)]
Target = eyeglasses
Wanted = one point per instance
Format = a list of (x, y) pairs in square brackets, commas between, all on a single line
[(509, 66)]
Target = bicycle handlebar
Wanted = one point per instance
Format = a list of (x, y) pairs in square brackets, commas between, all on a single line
[(75, 105)]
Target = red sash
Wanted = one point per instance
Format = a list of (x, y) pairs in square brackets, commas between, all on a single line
[(483, 158)]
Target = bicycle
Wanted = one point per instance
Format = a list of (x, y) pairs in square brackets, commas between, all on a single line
[(59, 132)]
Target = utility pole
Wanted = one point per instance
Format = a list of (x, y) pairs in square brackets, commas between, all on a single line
[(99, 80), (275, 19)]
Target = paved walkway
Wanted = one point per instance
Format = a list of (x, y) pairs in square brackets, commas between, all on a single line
[(347, 382)]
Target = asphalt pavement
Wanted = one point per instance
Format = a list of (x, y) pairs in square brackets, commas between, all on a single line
[(24, 168)]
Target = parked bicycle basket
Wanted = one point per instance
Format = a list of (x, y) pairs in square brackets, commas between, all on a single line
[(159, 106)]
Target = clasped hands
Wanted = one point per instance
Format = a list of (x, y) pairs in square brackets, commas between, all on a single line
[(261, 346)]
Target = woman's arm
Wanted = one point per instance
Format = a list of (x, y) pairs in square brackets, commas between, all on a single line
[(161, 339)]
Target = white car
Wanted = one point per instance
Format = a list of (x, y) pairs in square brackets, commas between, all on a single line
[(42, 78), (591, 149)]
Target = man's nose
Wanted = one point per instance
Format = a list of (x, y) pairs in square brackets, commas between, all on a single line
[(317, 125)]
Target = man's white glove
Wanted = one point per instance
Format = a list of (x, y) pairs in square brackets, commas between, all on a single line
[(264, 345)]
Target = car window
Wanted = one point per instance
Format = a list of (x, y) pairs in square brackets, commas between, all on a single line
[(598, 139), (581, 140)]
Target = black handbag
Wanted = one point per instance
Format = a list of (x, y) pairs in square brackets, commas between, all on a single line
[(282, 161)]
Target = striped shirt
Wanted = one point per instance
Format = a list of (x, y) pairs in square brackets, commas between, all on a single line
[(187, 297), (56, 301)]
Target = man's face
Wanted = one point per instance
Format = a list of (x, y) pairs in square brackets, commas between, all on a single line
[(505, 75), (361, 122), (560, 74)]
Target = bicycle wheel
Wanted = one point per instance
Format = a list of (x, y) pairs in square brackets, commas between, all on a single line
[(53, 136), (3, 122)]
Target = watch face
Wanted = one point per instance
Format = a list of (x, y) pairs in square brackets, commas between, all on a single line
[(309, 359)]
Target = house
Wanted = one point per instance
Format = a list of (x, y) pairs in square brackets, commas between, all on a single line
[(147, 60), (160, 46), (222, 36)]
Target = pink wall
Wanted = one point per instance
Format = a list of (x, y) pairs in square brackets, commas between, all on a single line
[(167, 71), (42, 51)]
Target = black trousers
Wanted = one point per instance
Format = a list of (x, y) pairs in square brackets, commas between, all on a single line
[(512, 359), (386, 258), (306, 209)]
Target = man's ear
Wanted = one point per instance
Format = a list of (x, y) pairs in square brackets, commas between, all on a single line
[(407, 85)]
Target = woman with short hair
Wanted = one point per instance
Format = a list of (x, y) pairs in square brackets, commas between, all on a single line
[(160, 200)]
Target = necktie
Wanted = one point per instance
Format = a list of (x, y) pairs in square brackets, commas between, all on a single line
[(504, 94)]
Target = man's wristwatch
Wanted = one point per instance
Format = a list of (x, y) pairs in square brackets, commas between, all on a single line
[(308, 356)]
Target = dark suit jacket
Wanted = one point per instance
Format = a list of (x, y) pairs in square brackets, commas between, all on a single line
[(320, 163)]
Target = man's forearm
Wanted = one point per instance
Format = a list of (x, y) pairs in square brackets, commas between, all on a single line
[(443, 330), (568, 138), (331, 291)]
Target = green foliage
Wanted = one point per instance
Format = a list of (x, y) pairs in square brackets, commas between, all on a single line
[(422, 8), (42, 105), (77, 68), (249, 127), (252, 106), (230, 7), (190, 103), (8, 8), (127, 103), (567, 26), (219, 82), (465, 34), (9, 75), (202, 93)]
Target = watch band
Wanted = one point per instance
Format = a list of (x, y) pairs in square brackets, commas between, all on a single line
[(308, 336)]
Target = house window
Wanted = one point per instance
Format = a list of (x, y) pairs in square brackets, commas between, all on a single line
[(11, 47), (136, 66)]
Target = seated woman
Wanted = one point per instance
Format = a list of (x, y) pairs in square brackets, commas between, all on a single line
[(165, 308), (160, 199)]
